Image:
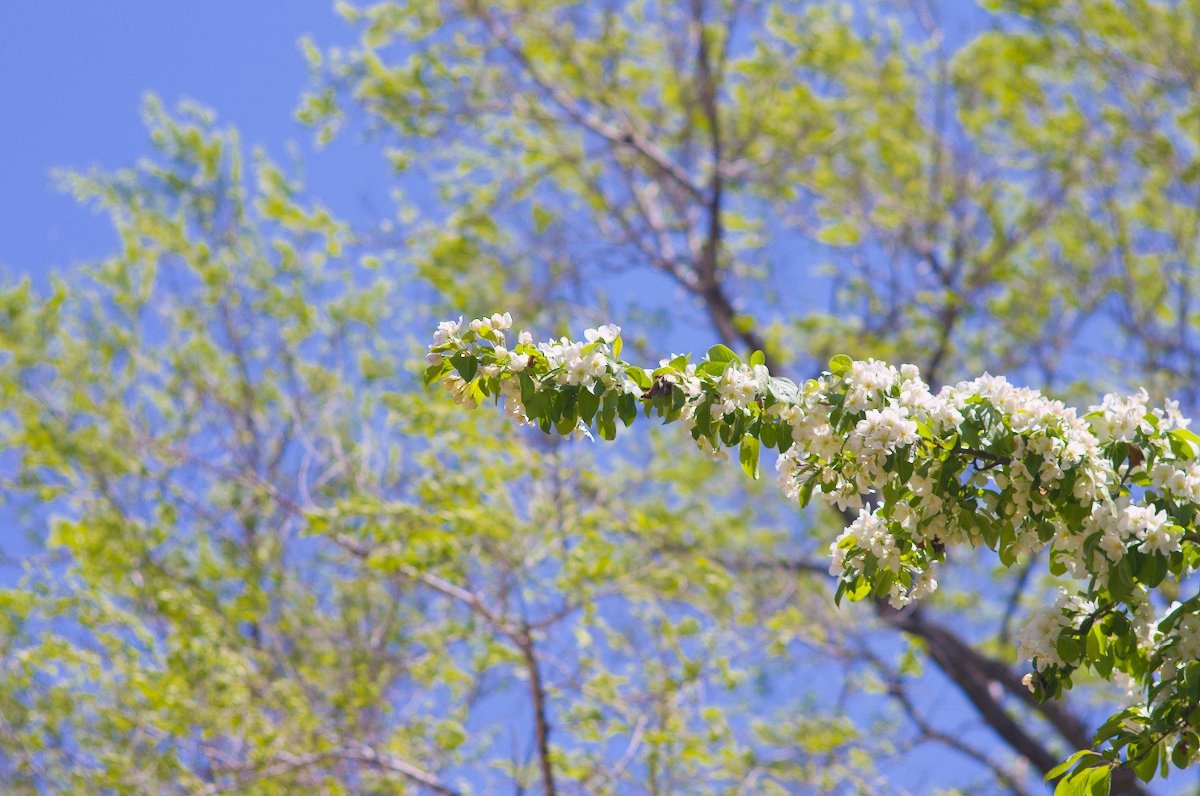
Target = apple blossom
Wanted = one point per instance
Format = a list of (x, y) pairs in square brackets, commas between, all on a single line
[(1112, 495)]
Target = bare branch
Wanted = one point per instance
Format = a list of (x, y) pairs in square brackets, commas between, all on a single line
[(580, 115), (537, 690)]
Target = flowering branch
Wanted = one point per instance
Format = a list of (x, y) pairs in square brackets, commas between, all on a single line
[(1114, 493)]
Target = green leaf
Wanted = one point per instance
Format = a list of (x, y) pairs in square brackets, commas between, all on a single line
[(767, 434), (607, 423), (627, 409), (1066, 765), (1094, 643), (467, 366), (840, 365), (1147, 762), (639, 377), (1068, 646), (1152, 569), (703, 419), (1181, 755), (859, 590), (1120, 580), (720, 353), (748, 455), (1096, 781), (806, 492), (1186, 435), (587, 404), (758, 358), (433, 373)]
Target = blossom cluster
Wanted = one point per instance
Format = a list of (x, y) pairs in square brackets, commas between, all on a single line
[(1038, 639), (1112, 492)]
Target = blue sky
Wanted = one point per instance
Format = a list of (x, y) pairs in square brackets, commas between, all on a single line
[(72, 78)]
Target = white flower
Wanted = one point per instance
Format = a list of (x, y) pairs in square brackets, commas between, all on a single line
[(926, 584), (585, 370), (1145, 621), (686, 380), (883, 430), (866, 380), (738, 387), (1160, 539), (515, 362), (837, 559), (514, 407), (1113, 545), (1038, 640), (446, 331), (871, 533), (1121, 417), (1170, 418), (573, 366), (1126, 683), (1182, 484), (460, 390), (608, 333), (1186, 635)]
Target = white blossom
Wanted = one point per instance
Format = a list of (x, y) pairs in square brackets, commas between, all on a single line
[(606, 333), (866, 380), (447, 331), (1038, 639), (881, 431), (1170, 418), (738, 388), (460, 390), (574, 366), (1121, 416)]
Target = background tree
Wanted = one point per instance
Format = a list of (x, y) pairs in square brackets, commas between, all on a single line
[(972, 190), (251, 579)]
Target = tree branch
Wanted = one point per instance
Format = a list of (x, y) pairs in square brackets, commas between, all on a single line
[(896, 690), (973, 672), (389, 762), (580, 115), (524, 641)]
